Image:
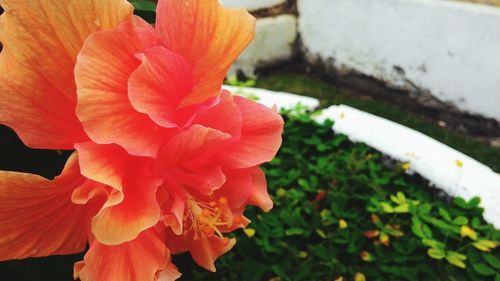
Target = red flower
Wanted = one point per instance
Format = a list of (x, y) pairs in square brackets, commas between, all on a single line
[(165, 162)]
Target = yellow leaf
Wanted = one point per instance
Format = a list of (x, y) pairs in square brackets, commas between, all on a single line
[(250, 232), (406, 166), (466, 231), (343, 224), (359, 277)]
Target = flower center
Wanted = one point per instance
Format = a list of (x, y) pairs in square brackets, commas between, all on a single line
[(205, 218)]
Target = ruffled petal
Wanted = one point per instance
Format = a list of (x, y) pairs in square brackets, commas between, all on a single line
[(103, 163), (204, 251), (41, 40), (129, 212), (145, 258), (103, 69), (202, 182), (158, 86), (37, 217), (208, 35), (260, 136), (246, 187), (224, 115), (191, 148)]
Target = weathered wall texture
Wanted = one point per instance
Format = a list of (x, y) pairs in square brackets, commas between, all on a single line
[(275, 37), (449, 49)]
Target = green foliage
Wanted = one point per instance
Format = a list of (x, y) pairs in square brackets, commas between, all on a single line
[(146, 9), (342, 209)]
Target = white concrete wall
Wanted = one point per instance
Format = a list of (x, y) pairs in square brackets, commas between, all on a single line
[(450, 48), (251, 5), (274, 41)]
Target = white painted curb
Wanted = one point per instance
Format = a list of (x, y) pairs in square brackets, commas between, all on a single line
[(251, 5), (431, 159), (271, 98)]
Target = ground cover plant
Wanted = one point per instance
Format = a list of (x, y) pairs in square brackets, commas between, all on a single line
[(345, 212)]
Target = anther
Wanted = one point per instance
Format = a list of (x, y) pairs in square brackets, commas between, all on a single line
[(222, 201)]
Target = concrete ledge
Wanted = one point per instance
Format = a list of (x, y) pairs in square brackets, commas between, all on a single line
[(446, 48), (268, 98), (274, 42), (251, 5)]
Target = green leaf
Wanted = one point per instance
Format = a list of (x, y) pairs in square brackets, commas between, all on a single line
[(460, 220), (294, 231), (491, 260), (386, 207), (460, 202), (474, 202), (433, 244), (483, 269), (456, 259), (144, 5), (427, 231), (402, 209), (485, 245), (444, 214), (437, 254), (425, 208)]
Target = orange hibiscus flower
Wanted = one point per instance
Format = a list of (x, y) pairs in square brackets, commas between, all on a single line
[(165, 161)]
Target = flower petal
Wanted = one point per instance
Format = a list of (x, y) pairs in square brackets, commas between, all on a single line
[(158, 86), (224, 115), (260, 136), (204, 251), (208, 35), (246, 186), (41, 40), (142, 259), (191, 148), (104, 66), (137, 209), (106, 164), (37, 217)]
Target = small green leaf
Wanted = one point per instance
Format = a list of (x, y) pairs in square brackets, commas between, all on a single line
[(437, 254), (456, 259), (402, 209), (386, 207), (483, 269), (460, 220), (294, 231), (492, 260), (321, 233), (433, 244), (444, 214), (425, 208), (460, 202)]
